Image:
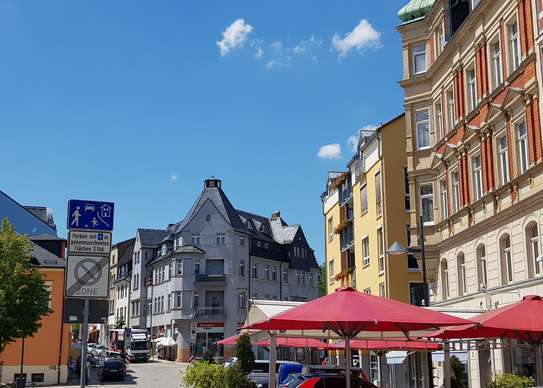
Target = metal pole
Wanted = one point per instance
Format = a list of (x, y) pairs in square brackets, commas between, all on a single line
[(446, 365), (426, 294), (85, 334), (273, 360), (348, 363), (22, 358)]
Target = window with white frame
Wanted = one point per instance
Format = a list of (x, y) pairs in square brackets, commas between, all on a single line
[(506, 260), (380, 250), (451, 114), (242, 299), (496, 76), (514, 45), (330, 229), (378, 194), (444, 199), (418, 57), (482, 275), (367, 291), (178, 301), (331, 270), (242, 268), (462, 276), (535, 255), (427, 203), (254, 271), (444, 279), (285, 275), (422, 124), (503, 159), (221, 238), (364, 199), (472, 88), (522, 147), (195, 240), (365, 251), (477, 177), (382, 290), (439, 120), (439, 38), (274, 274)]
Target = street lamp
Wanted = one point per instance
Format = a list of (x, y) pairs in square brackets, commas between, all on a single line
[(397, 249)]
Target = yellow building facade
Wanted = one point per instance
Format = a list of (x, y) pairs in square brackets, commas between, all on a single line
[(364, 211)]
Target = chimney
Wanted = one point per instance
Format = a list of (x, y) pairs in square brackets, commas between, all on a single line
[(212, 183), (276, 215)]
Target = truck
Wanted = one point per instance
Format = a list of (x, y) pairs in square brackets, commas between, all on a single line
[(132, 344)]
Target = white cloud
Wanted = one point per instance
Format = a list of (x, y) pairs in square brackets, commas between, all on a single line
[(352, 141), (259, 52), (361, 37), (234, 36), (173, 177), (330, 151), (307, 45)]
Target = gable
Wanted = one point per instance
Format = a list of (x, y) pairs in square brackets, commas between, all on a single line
[(24, 221)]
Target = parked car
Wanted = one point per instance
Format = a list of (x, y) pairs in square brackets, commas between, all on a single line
[(285, 370), (114, 368), (332, 380), (292, 380), (260, 372), (232, 361)]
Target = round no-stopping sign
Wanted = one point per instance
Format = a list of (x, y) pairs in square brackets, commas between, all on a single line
[(82, 268)]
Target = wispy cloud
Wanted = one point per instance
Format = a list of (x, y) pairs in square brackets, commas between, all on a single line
[(352, 140), (305, 46), (234, 36), (363, 36), (173, 177), (330, 151)]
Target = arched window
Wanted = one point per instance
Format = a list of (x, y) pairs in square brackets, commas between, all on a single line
[(506, 259), (444, 279), (461, 274), (482, 277), (535, 266)]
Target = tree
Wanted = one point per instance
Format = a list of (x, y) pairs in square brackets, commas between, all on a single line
[(120, 323), (322, 280), (457, 373), (244, 353), (24, 296)]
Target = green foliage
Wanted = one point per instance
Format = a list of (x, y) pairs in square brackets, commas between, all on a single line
[(205, 375), (24, 296), (457, 373), (208, 357), (506, 380), (120, 323), (244, 353), (322, 280)]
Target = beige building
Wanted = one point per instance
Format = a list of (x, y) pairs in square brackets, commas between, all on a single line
[(472, 71)]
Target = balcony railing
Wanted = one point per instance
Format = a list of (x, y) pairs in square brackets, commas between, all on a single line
[(210, 278), (209, 313)]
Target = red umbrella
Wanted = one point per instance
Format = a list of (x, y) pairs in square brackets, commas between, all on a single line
[(228, 341), (295, 343), (348, 312), (381, 345)]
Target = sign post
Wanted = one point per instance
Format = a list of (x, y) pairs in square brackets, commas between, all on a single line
[(87, 272)]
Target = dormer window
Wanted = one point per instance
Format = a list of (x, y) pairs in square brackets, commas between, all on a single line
[(164, 249), (264, 229), (249, 225)]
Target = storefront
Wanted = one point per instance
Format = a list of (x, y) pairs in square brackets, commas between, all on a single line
[(207, 333)]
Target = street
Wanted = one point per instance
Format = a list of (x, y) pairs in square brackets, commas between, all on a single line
[(163, 374)]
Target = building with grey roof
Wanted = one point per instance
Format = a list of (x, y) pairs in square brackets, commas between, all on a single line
[(193, 279)]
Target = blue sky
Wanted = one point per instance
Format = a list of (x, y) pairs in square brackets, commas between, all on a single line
[(137, 102)]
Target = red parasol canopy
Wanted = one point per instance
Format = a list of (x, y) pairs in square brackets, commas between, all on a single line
[(347, 312), (228, 341), (522, 320), (295, 343), (387, 345)]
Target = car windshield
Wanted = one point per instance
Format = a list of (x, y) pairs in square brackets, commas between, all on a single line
[(139, 345), (261, 367)]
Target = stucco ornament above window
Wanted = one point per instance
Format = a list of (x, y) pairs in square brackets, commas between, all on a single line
[(415, 9)]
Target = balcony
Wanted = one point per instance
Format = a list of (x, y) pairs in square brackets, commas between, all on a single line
[(209, 313), (210, 279), (347, 237), (345, 216)]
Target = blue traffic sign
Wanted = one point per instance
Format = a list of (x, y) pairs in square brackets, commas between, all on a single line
[(93, 215)]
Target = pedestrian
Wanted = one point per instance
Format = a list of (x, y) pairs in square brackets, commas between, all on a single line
[(78, 367)]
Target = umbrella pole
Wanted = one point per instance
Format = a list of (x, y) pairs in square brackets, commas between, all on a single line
[(348, 362), (446, 365), (538, 364), (273, 359)]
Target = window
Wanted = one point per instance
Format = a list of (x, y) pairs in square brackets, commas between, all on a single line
[(196, 268), (456, 191), (444, 199), (407, 198), (242, 268), (37, 377), (367, 291), (438, 112), (285, 276), (439, 37), (477, 177), (331, 270), (274, 274), (266, 245), (179, 267), (535, 265), (169, 302), (178, 299), (514, 46), (378, 193), (461, 273), (503, 160), (221, 238), (254, 271), (496, 73), (422, 123), (242, 241), (330, 229), (375, 368), (365, 251), (310, 279), (242, 300), (195, 239), (380, 250), (195, 300), (472, 89), (427, 203), (522, 147), (382, 291), (506, 260), (267, 272), (258, 244), (444, 279), (451, 115), (482, 276), (418, 53), (364, 199)]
